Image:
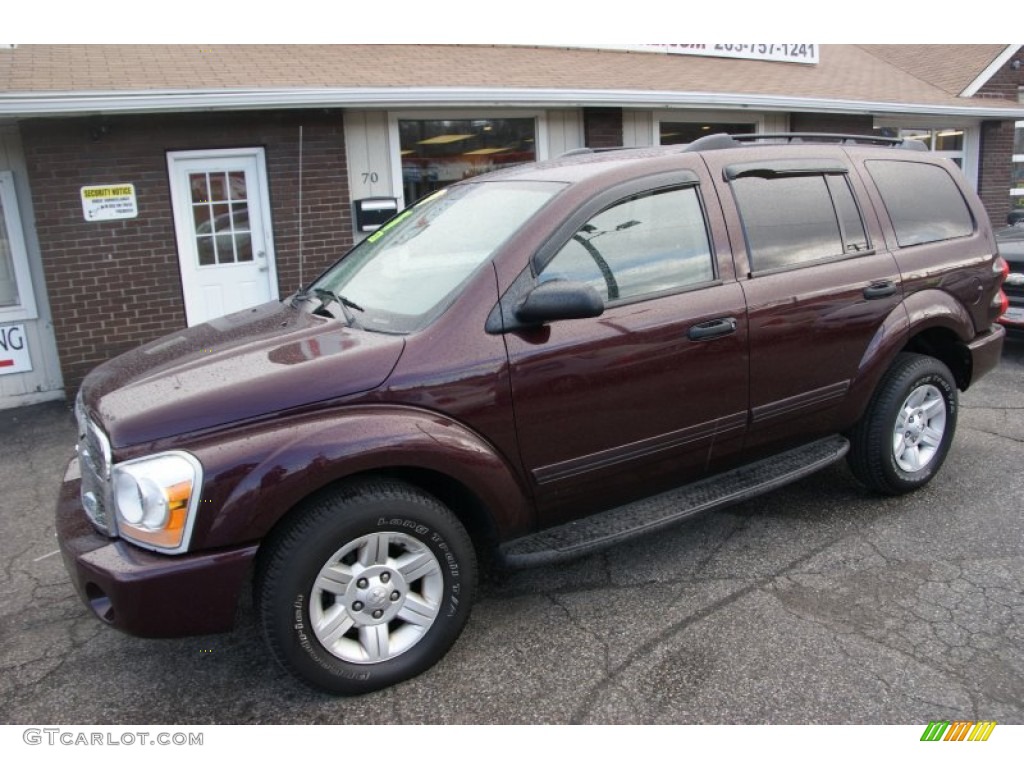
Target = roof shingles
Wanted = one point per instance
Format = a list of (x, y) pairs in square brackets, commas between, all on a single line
[(898, 74)]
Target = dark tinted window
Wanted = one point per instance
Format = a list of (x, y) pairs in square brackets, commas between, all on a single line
[(643, 245), (792, 220), (849, 216), (923, 201)]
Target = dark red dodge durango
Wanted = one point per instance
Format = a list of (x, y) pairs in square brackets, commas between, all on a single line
[(525, 367)]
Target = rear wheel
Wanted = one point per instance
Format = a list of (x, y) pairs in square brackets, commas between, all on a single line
[(369, 585), (903, 438)]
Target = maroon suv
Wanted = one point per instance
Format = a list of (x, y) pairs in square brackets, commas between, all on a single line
[(526, 367)]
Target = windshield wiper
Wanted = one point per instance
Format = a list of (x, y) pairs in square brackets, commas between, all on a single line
[(328, 296)]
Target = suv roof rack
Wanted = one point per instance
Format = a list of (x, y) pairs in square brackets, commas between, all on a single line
[(725, 141), (593, 150)]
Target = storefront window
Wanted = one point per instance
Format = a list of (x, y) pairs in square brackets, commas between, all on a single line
[(16, 300), (684, 133), (948, 142), (1017, 173), (436, 153)]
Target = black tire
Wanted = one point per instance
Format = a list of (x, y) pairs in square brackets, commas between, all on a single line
[(367, 585), (902, 440)]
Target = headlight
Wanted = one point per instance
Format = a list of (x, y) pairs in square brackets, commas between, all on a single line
[(156, 498)]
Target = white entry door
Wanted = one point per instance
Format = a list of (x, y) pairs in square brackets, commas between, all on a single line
[(222, 220)]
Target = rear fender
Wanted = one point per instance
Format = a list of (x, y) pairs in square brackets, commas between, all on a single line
[(255, 476), (919, 312)]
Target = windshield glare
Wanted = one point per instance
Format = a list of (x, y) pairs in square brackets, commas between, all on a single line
[(403, 274)]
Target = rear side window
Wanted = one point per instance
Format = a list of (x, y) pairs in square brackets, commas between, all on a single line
[(923, 201), (793, 220), (643, 245)]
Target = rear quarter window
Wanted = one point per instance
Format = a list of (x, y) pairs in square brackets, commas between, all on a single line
[(923, 201)]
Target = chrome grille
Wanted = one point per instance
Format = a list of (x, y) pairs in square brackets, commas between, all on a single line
[(95, 460)]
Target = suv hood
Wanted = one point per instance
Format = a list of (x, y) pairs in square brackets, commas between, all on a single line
[(245, 365)]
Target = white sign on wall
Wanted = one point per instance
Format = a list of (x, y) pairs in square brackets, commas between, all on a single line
[(798, 53), (14, 357), (109, 201)]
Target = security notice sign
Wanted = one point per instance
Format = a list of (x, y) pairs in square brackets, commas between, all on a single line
[(14, 357), (109, 201)]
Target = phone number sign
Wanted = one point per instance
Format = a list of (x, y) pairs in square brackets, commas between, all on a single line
[(797, 53), (106, 202)]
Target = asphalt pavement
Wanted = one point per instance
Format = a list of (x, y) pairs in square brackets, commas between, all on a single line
[(818, 603)]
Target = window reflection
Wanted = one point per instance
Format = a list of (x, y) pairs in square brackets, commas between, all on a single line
[(436, 153)]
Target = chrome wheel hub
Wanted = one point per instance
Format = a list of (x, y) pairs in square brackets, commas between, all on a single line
[(376, 597), (920, 426)]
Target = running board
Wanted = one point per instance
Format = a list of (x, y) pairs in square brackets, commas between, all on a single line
[(605, 529)]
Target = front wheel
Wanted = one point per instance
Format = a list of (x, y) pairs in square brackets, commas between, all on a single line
[(366, 586), (903, 438)]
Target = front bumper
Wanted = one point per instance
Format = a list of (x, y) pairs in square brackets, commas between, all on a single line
[(145, 593)]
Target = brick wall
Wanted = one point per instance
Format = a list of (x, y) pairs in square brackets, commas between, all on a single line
[(994, 169), (114, 285), (997, 143), (602, 127)]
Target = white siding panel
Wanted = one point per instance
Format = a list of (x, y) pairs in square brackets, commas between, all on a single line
[(637, 128), (565, 131)]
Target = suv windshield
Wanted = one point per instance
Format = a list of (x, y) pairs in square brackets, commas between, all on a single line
[(404, 274)]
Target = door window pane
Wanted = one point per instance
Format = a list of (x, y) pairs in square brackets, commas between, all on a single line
[(220, 212), (643, 245), (436, 153)]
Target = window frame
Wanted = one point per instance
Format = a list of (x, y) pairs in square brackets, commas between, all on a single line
[(673, 181), (822, 169), (26, 308)]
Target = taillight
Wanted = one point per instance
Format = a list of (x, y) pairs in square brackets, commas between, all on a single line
[(1001, 302)]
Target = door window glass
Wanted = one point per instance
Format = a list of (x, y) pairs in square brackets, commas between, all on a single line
[(220, 213), (793, 220), (436, 153), (644, 245)]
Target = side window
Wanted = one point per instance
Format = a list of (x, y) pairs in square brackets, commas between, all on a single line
[(643, 245), (923, 201), (793, 220)]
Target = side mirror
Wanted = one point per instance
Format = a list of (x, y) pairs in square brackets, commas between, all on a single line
[(559, 300)]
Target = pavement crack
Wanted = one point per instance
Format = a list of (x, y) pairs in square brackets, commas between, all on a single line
[(578, 716)]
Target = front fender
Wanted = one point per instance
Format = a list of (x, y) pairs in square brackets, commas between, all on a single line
[(256, 474)]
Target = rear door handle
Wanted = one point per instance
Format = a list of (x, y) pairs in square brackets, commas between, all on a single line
[(880, 290), (712, 329)]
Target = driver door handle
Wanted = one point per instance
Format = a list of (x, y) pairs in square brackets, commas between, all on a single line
[(880, 290), (712, 329)]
